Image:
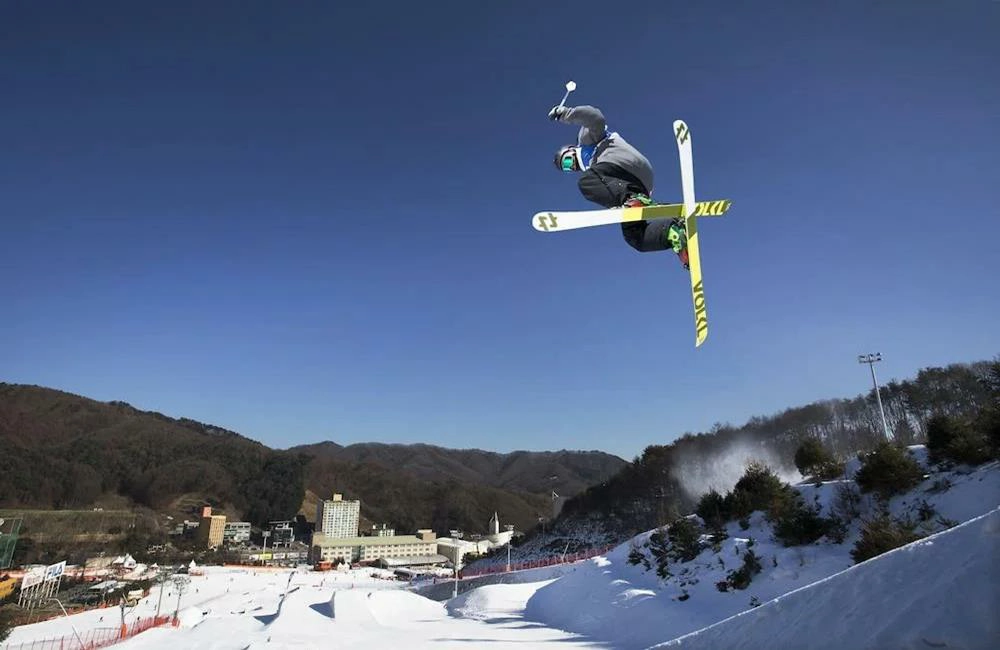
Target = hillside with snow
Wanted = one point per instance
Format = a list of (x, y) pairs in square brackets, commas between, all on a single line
[(624, 603), (877, 604), (678, 589)]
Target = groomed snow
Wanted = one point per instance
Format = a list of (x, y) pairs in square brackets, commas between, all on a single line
[(939, 592), (237, 608)]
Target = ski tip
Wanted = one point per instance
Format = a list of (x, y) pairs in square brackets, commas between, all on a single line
[(681, 131), (544, 222)]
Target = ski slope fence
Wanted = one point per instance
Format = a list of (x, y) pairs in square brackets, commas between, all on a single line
[(101, 637), (537, 564)]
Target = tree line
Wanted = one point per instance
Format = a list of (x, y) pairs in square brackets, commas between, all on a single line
[(651, 489), (63, 451)]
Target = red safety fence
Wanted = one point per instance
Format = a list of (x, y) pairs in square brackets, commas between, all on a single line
[(537, 564), (101, 637)]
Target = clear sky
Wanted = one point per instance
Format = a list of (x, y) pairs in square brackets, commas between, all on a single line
[(312, 221)]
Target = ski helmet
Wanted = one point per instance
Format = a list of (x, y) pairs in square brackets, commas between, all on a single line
[(568, 158)]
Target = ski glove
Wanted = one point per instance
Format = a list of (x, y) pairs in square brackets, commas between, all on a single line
[(557, 112)]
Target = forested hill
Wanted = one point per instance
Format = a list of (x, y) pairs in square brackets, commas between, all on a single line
[(667, 480), (66, 451), (564, 472)]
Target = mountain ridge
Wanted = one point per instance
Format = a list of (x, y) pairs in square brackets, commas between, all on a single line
[(563, 471), (64, 450)]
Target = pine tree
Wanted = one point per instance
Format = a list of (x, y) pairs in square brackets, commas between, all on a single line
[(888, 471)]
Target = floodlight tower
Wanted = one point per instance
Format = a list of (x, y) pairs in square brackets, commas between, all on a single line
[(180, 583), (871, 360), (162, 578)]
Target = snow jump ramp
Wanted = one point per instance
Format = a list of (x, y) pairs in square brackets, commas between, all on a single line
[(352, 606)]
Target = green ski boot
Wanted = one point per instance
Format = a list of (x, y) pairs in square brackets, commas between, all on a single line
[(638, 201), (676, 238)]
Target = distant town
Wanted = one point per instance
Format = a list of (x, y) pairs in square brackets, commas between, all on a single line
[(337, 540), (334, 542)]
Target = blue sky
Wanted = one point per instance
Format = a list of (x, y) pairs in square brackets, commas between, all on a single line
[(311, 221)]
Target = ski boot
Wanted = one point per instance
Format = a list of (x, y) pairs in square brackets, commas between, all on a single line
[(638, 201), (676, 238)]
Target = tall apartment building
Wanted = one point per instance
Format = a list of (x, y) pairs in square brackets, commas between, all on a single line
[(338, 518), (211, 529)]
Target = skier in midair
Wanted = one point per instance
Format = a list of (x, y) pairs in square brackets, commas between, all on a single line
[(615, 174)]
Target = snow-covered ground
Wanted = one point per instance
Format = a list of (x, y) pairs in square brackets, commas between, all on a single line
[(940, 592), (236, 608), (565, 538), (612, 600), (876, 604)]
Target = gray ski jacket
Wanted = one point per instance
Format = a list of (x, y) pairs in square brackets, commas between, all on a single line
[(598, 144)]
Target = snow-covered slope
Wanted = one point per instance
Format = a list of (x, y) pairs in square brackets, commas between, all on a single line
[(237, 609), (566, 538), (939, 592), (609, 599)]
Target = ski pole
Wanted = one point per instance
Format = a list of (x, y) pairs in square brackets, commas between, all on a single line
[(570, 87)]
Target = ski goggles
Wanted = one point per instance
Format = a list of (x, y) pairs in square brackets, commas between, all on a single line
[(569, 161)]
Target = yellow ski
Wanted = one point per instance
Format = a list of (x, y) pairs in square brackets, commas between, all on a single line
[(683, 136), (553, 221), (697, 287)]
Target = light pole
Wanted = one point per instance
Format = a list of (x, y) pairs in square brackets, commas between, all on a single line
[(68, 619), (163, 579), (871, 360), (263, 555), (180, 582)]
